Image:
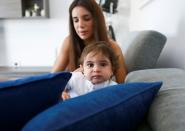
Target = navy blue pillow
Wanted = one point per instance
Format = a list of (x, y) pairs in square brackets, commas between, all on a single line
[(24, 98), (116, 108)]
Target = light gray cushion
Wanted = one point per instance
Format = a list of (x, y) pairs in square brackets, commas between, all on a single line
[(144, 49), (167, 112)]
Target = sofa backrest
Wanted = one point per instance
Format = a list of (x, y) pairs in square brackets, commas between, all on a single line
[(144, 49)]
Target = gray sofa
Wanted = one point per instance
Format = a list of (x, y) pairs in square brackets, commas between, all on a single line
[(167, 112)]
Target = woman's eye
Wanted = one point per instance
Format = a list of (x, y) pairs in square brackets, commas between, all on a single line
[(75, 20), (87, 18)]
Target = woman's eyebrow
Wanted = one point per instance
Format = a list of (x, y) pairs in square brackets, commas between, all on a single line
[(75, 17), (84, 15)]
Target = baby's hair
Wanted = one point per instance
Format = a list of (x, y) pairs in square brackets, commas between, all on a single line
[(101, 47)]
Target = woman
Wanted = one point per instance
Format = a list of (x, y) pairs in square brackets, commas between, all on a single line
[(87, 25)]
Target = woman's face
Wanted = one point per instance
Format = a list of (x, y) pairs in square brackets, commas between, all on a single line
[(83, 23)]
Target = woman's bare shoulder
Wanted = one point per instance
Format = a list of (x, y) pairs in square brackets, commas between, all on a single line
[(66, 41), (65, 45), (114, 45)]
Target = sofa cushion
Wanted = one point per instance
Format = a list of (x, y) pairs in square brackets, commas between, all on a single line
[(144, 49), (167, 112), (118, 107), (24, 98), (172, 78)]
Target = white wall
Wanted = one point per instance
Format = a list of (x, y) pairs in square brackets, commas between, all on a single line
[(168, 17), (120, 22), (33, 42)]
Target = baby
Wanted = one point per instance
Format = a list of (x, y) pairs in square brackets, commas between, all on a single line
[(98, 63)]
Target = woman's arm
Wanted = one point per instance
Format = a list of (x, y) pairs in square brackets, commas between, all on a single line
[(63, 57), (121, 71)]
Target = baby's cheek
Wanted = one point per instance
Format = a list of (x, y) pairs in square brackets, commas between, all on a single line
[(87, 75)]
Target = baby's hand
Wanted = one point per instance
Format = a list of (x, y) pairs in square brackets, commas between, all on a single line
[(65, 95)]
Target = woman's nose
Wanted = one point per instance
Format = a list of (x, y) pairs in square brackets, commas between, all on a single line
[(81, 23)]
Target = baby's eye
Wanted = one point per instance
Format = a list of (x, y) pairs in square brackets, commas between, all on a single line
[(90, 65), (103, 64)]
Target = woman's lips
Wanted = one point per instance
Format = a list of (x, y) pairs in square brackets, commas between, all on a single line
[(83, 32)]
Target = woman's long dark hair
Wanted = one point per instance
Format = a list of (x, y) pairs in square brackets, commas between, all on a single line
[(100, 31)]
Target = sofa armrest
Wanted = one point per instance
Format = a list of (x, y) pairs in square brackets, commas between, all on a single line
[(167, 110), (144, 49)]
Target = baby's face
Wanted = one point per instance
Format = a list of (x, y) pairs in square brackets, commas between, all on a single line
[(97, 68)]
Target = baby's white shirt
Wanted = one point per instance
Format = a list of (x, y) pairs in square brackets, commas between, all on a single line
[(79, 85)]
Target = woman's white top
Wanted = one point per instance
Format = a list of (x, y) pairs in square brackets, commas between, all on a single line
[(79, 85)]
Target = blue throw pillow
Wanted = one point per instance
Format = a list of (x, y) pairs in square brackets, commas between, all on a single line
[(24, 98), (116, 108)]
